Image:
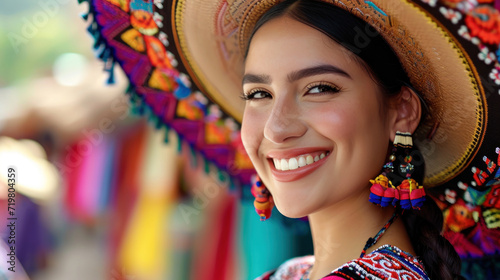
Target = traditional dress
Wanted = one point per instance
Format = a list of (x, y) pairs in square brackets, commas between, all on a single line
[(386, 262)]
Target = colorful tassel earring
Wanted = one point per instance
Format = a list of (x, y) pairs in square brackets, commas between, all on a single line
[(382, 191), (401, 187), (263, 202)]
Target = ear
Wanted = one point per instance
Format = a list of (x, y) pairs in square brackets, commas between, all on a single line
[(407, 112)]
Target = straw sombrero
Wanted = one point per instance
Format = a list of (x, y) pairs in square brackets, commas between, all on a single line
[(184, 62)]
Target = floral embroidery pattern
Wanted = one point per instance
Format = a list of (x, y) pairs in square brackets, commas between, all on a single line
[(472, 208), (452, 3), (485, 55), (464, 32), (466, 5), (484, 22), (431, 3), (495, 75), (479, 23), (477, 208), (386, 262), (451, 14)]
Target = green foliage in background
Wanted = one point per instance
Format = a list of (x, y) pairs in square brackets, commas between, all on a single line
[(34, 33)]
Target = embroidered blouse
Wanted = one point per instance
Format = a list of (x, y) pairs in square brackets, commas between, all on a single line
[(386, 262)]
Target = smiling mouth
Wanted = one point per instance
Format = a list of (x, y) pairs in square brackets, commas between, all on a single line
[(298, 162)]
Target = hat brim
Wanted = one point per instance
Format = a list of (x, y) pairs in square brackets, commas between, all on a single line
[(212, 37)]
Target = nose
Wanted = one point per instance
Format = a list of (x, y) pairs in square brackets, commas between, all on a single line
[(284, 121)]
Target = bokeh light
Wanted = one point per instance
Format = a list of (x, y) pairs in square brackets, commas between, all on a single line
[(70, 69)]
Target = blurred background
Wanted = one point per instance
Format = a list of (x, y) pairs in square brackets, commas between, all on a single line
[(103, 192), (100, 193)]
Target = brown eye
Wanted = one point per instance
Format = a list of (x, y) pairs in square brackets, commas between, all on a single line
[(256, 94), (322, 88), (259, 95)]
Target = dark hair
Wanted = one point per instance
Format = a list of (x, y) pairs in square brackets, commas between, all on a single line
[(438, 256), (349, 31), (440, 259)]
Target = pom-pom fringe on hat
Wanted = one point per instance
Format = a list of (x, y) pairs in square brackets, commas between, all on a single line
[(184, 60)]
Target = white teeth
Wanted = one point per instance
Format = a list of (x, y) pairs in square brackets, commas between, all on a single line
[(277, 163), (302, 161), (294, 163), (284, 164), (309, 159)]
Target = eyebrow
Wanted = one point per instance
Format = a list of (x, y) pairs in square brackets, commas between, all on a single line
[(257, 79), (299, 74), (317, 70)]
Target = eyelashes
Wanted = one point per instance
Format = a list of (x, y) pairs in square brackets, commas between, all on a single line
[(322, 88), (255, 94), (319, 88)]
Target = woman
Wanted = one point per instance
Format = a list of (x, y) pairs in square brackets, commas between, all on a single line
[(306, 96), (336, 92)]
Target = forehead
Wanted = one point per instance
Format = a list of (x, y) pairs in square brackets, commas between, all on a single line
[(286, 39)]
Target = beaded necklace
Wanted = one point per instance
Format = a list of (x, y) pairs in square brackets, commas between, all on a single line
[(369, 243)]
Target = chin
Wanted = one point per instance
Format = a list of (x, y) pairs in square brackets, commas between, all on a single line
[(292, 209)]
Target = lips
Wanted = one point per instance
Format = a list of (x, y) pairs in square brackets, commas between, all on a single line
[(294, 164)]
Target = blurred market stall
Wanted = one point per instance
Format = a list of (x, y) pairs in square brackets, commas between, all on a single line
[(100, 193)]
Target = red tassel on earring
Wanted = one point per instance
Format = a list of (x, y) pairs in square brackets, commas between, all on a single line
[(412, 195), (404, 194), (382, 192), (417, 197), (263, 202)]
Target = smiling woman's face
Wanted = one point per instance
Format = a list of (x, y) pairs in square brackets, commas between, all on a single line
[(316, 126)]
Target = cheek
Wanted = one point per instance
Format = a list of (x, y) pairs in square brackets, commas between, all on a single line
[(333, 121), (356, 130), (252, 128), (349, 117)]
